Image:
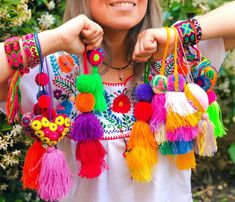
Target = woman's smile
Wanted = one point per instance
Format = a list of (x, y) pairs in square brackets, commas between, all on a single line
[(124, 6)]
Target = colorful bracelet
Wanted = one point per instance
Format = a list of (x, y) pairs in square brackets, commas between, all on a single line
[(14, 54), (31, 50), (191, 32)]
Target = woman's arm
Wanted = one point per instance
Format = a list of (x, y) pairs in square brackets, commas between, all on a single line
[(219, 23), (64, 38)]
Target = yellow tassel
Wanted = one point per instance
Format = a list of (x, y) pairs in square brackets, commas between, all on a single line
[(186, 161), (175, 121), (142, 152)]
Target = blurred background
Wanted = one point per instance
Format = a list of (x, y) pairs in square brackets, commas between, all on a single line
[(213, 180)]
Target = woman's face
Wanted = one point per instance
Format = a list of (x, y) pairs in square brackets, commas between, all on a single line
[(118, 14)]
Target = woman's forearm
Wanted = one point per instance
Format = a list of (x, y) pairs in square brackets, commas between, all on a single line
[(219, 22)]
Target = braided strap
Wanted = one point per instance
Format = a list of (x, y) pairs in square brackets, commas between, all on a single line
[(30, 50), (13, 53), (190, 31)]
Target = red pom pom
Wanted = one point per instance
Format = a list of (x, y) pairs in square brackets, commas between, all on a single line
[(36, 109), (44, 101), (143, 111), (42, 79)]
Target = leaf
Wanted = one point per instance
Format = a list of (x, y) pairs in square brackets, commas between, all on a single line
[(231, 152)]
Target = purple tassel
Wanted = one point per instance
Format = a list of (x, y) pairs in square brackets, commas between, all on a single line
[(55, 179), (86, 127), (159, 112), (182, 134)]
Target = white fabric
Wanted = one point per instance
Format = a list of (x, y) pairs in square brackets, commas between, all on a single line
[(168, 184)]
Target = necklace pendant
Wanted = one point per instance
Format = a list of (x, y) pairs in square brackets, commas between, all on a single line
[(121, 75)]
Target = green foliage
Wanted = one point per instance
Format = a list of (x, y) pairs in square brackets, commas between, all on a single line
[(231, 152)]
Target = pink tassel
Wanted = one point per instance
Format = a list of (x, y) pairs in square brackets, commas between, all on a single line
[(159, 112), (55, 179), (182, 134)]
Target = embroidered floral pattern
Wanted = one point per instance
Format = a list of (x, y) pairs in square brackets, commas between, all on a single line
[(66, 63), (121, 104), (57, 94)]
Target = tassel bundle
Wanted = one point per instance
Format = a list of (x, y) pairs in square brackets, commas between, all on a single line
[(87, 130), (141, 152), (205, 143), (182, 118)]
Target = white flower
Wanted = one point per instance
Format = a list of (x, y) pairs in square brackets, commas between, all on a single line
[(16, 152), (17, 129), (51, 5), (3, 187), (46, 20)]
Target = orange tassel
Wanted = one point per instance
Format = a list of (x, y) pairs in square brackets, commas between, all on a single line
[(186, 161), (32, 166)]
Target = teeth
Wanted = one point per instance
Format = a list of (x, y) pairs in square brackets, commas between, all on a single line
[(123, 4)]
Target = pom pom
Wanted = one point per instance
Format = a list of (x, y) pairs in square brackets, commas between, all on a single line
[(85, 102), (143, 111), (205, 144), (144, 92), (32, 166), (95, 57), (186, 161), (42, 79), (91, 155), (215, 116), (141, 152), (55, 179), (211, 96), (44, 101), (172, 83), (86, 127), (159, 84), (86, 84)]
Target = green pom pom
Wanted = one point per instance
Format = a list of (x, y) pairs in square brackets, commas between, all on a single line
[(215, 117), (166, 148), (85, 84)]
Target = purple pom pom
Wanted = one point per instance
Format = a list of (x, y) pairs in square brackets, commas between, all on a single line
[(171, 83), (144, 92), (86, 127)]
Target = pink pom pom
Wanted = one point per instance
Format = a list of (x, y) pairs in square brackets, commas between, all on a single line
[(42, 79), (55, 179), (211, 96)]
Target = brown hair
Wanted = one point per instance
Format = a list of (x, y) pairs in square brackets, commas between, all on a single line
[(152, 19)]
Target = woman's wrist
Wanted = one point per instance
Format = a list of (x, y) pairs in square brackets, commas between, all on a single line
[(50, 42)]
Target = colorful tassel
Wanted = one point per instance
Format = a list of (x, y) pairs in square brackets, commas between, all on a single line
[(173, 148), (142, 152), (55, 180), (32, 166), (205, 144), (86, 127), (215, 116), (186, 161), (13, 106), (91, 155)]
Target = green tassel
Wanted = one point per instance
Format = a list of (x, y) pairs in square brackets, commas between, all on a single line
[(215, 116), (166, 148), (100, 102)]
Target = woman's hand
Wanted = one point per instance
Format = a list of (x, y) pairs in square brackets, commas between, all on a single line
[(79, 34), (152, 43)]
